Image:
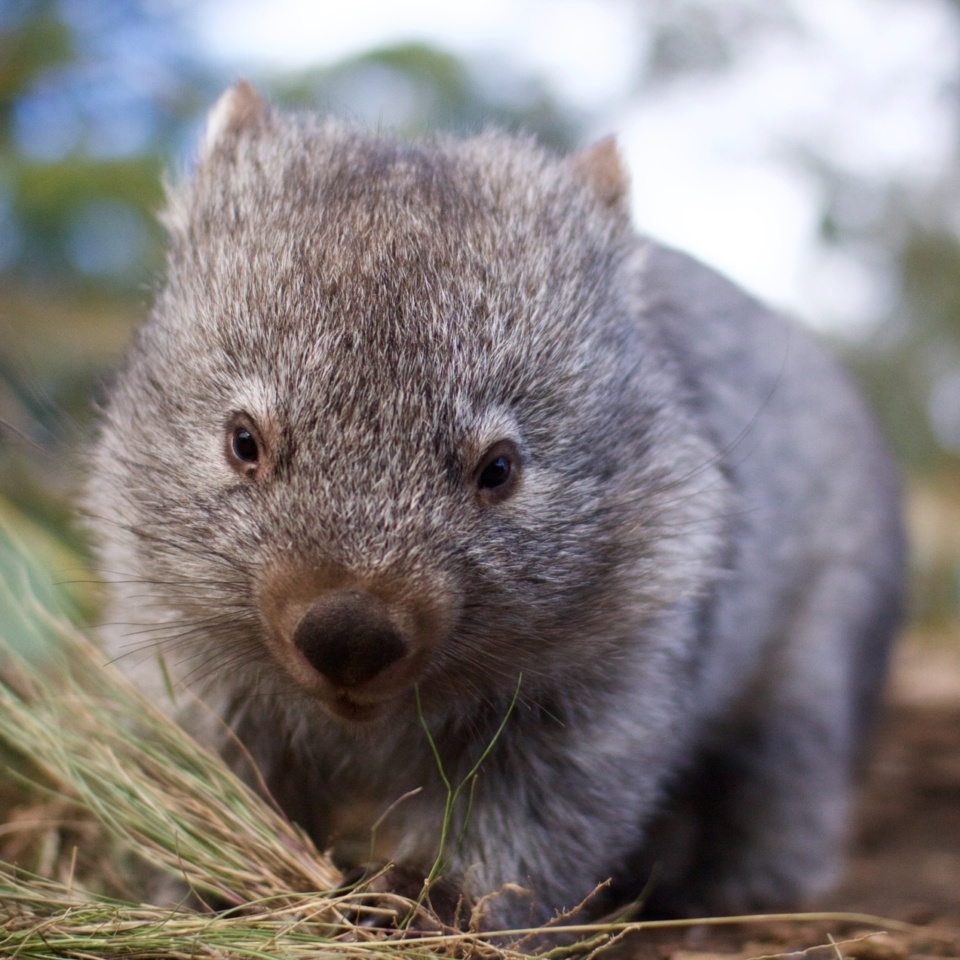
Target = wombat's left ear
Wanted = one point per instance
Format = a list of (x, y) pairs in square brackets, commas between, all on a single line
[(239, 108), (601, 169)]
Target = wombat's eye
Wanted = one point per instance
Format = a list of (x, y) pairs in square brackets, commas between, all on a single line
[(244, 447), (499, 472), (495, 474)]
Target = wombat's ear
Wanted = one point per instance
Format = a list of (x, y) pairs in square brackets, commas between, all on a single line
[(601, 169), (239, 108)]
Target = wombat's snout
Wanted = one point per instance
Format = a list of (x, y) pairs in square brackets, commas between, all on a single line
[(348, 637)]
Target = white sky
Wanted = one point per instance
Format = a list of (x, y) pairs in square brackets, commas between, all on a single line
[(707, 156)]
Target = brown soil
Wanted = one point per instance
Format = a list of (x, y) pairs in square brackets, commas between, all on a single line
[(905, 861)]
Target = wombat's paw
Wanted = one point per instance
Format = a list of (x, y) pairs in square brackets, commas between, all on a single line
[(767, 881), (399, 898), (758, 891)]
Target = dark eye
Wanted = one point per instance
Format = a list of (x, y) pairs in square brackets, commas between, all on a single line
[(244, 446), (498, 474), (495, 473)]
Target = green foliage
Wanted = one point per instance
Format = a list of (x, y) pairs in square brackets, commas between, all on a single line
[(930, 268), (84, 132), (53, 200), (40, 42)]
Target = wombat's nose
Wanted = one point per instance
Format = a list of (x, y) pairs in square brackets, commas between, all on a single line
[(348, 637)]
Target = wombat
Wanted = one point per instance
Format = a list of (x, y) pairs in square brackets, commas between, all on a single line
[(424, 440)]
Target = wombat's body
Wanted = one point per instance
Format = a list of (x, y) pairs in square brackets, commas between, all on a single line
[(434, 417)]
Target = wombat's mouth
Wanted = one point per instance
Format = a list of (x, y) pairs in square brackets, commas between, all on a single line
[(345, 707)]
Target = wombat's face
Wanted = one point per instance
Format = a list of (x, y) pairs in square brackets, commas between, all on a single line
[(381, 425)]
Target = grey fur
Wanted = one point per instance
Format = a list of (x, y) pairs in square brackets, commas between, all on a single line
[(697, 573)]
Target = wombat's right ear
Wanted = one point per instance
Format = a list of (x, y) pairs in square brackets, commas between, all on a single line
[(239, 108), (601, 169)]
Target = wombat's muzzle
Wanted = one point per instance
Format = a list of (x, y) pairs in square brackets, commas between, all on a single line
[(348, 637), (358, 646)]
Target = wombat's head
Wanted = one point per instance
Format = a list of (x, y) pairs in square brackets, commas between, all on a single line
[(395, 419)]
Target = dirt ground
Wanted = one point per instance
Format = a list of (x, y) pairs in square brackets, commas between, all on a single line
[(905, 861)]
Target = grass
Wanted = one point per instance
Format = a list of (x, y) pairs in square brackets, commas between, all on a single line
[(453, 793)]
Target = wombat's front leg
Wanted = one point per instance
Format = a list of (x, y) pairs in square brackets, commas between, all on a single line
[(556, 810)]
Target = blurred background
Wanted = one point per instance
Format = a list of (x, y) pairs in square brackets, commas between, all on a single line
[(808, 148)]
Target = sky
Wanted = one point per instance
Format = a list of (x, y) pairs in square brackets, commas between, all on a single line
[(712, 158)]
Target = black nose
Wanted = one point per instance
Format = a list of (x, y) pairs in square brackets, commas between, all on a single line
[(348, 637)]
